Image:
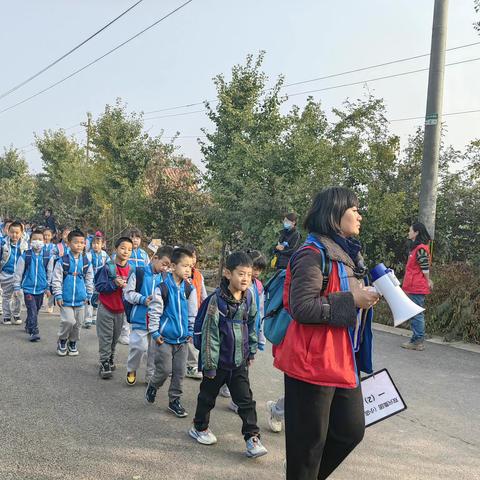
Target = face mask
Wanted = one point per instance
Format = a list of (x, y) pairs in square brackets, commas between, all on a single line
[(287, 225), (37, 244)]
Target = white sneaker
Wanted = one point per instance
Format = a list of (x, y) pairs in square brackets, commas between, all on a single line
[(273, 422), (225, 392), (205, 438), (192, 372), (233, 406), (124, 340), (255, 448)]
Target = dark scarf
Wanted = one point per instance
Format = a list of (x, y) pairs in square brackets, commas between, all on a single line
[(350, 246)]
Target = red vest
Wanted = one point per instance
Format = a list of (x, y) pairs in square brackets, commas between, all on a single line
[(414, 280), (318, 354)]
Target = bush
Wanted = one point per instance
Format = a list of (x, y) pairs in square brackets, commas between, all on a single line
[(453, 308)]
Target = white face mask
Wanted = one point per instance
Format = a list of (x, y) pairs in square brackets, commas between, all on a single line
[(37, 244)]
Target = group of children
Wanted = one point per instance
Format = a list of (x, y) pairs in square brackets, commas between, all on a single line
[(158, 306)]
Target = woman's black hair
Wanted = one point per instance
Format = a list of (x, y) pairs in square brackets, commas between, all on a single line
[(423, 236), (327, 210), (238, 259)]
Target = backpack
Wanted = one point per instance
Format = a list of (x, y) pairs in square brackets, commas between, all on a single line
[(66, 265), (222, 308), (164, 290), (128, 307), (28, 261), (277, 318)]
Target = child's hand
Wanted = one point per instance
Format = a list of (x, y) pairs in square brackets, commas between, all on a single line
[(49, 294), (119, 282), (59, 303), (160, 340), (250, 362), (189, 340), (148, 300), (17, 293)]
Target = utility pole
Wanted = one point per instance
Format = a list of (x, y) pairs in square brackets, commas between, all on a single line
[(433, 117), (89, 122)]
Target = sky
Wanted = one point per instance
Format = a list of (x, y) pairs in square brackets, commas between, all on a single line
[(174, 63)]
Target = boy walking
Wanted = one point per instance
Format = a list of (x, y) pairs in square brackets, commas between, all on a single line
[(139, 292), (10, 251), (172, 315), (98, 257), (72, 286), (110, 281), (31, 277), (228, 347)]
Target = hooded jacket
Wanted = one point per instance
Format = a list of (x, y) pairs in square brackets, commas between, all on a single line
[(34, 280)]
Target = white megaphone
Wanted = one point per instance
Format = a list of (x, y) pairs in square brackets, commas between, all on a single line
[(388, 286)]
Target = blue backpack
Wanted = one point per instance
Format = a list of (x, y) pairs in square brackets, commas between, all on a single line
[(222, 308), (277, 318), (128, 307)]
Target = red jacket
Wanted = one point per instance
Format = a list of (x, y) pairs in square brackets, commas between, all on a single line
[(414, 281), (319, 354)]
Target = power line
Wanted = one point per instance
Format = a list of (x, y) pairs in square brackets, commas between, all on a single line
[(465, 112), (325, 77), (97, 59), (29, 79), (332, 87)]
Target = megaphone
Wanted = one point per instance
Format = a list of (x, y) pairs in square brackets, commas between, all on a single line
[(388, 286)]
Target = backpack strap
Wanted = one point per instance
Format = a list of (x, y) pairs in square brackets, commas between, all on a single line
[(86, 264), (326, 262), (139, 276), (165, 295), (28, 262), (65, 265)]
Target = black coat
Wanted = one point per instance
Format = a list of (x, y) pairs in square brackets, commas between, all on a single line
[(292, 237)]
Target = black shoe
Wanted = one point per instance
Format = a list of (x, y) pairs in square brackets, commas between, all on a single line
[(176, 408), (105, 370), (7, 321), (150, 394), (113, 367)]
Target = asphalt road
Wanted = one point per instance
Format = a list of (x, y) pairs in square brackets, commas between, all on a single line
[(59, 420)]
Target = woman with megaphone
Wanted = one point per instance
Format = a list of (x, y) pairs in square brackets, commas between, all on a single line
[(329, 340)]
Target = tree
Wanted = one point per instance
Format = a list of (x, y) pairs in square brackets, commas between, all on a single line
[(16, 186)]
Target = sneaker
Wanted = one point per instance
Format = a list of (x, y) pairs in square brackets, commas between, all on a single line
[(49, 310), (205, 438), (17, 321), (7, 321), (87, 324), (113, 367), (105, 371), (273, 422), (94, 321), (72, 349), (150, 394), (255, 448), (34, 337), (62, 348), (177, 409), (233, 406), (225, 392), (124, 340), (192, 372), (413, 346), (131, 378)]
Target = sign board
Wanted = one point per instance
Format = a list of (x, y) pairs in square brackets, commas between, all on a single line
[(154, 244), (381, 398), (431, 119)]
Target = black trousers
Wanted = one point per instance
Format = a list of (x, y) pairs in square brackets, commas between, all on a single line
[(322, 426), (239, 385)]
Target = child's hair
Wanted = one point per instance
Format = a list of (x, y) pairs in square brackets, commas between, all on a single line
[(122, 240), (74, 234), (46, 229), (238, 259), (135, 232), (165, 251), (259, 261), (191, 247), (179, 253), (37, 232), (16, 224)]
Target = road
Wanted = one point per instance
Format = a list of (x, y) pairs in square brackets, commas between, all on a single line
[(59, 420)]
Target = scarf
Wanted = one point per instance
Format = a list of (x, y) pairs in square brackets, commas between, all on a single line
[(351, 246)]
